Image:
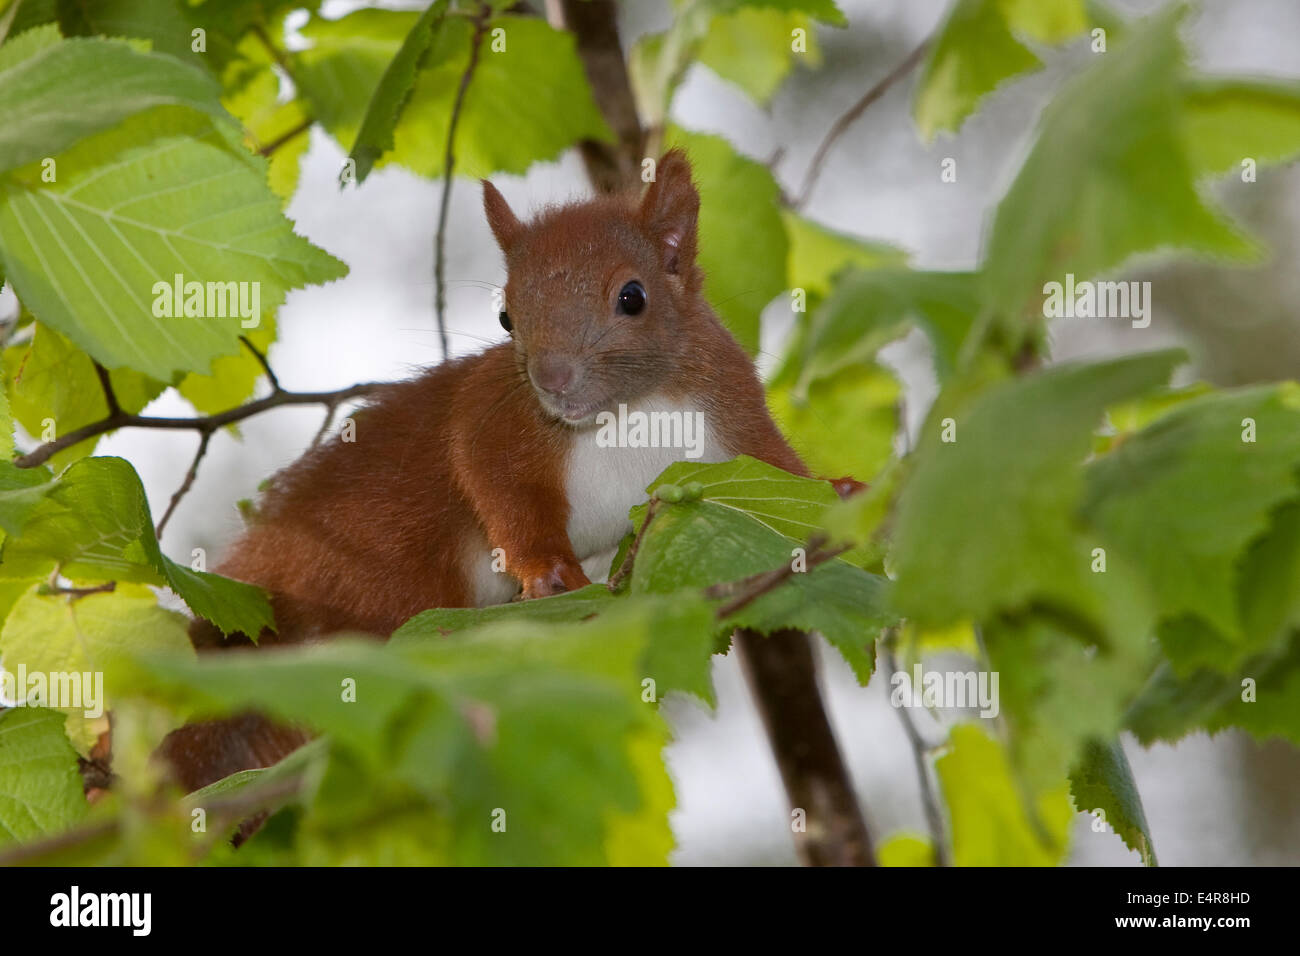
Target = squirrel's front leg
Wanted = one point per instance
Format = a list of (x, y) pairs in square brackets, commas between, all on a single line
[(530, 524)]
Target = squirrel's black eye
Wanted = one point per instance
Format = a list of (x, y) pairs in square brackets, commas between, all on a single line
[(505, 321), (631, 298)]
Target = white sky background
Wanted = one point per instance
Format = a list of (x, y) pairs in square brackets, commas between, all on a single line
[(880, 182)]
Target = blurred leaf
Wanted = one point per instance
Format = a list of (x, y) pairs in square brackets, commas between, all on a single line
[(906, 849), (40, 785), (991, 824), (818, 253), (234, 378), (1103, 781), (753, 48), (52, 634), (1183, 497), (988, 520), (974, 53), (1227, 121), (844, 424), (869, 308), (1108, 177)]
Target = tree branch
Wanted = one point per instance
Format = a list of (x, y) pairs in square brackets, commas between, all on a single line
[(844, 122), (448, 167), (783, 677), (205, 437), (611, 167), (203, 423), (750, 589), (292, 133)]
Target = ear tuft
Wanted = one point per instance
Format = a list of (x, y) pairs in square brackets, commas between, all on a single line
[(670, 212), (505, 224)]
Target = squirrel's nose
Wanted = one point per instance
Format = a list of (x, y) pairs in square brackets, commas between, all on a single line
[(552, 373)]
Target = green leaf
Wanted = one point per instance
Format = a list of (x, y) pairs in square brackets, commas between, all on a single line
[(974, 53), (572, 607), (234, 378), (818, 254), (389, 99), (53, 634), (1103, 781), (21, 490), (91, 253), (40, 785), (742, 247), (844, 424), (1183, 497), (543, 722), (906, 849), (992, 824), (94, 524), (869, 308), (739, 529), (988, 520), (49, 379), (61, 91), (346, 64), (1108, 177), (753, 48), (166, 24), (1227, 121)]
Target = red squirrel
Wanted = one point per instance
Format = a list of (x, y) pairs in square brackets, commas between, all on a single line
[(500, 450)]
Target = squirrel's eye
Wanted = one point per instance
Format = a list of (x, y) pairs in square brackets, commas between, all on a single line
[(505, 321), (631, 298)]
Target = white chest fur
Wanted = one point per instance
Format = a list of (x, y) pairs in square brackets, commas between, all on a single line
[(604, 480), (609, 468)]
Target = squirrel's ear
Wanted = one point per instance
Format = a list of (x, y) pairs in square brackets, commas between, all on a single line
[(505, 224), (670, 211)]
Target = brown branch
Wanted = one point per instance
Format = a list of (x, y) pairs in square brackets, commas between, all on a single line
[(203, 423), (782, 674), (750, 589), (261, 360), (106, 384), (293, 133), (854, 111), (625, 568), (53, 587), (448, 167), (611, 167), (205, 436)]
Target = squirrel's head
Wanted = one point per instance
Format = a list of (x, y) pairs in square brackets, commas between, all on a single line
[(599, 294)]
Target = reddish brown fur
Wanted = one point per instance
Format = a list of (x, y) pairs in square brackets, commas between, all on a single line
[(362, 535)]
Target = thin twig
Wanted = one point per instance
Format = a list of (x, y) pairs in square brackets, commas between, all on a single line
[(448, 166), (106, 384), (261, 360), (203, 423), (54, 587), (330, 409), (283, 138), (750, 589), (929, 800), (625, 568), (205, 437), (856, 110)]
